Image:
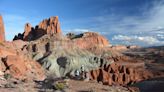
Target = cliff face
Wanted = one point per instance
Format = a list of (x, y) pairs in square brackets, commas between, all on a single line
[(2, 30), (90, 40), (49, 26)]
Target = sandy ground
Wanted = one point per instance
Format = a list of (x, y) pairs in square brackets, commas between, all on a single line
[(73, 86)]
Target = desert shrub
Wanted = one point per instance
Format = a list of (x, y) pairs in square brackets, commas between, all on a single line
[(59, 86), (74, 36), (78, 36), (7, 76), (70, 35)]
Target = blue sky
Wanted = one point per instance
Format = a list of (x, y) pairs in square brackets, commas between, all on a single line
[(137, 22)]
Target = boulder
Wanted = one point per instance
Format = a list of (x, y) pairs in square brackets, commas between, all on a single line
[(2, 30), (16, 65)]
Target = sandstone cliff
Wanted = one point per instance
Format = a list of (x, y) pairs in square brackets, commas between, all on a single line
[(90, 40), (2, 30), (49, 26)]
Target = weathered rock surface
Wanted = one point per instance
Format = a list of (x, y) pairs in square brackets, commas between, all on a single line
[(117, 74), (21, 68), (49, 26), (89, 40), (141, 65), (62, 56), (62, 61), (49, 50), (13, 61), (2, 30)]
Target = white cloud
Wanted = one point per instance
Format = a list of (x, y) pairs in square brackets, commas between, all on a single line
[(77, 30), (80, 30), (134, 40), (121, 38), (160, 36)]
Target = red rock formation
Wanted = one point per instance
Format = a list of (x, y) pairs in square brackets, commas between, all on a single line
[(118, 74), (27, 31), (2, 30), (49, 26), (89, 40), (14, 62), (21, 68), (113, 74), (16, 65)]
